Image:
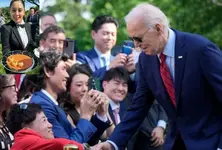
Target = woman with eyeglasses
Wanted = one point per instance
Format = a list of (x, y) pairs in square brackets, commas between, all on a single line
[(16, 34), (32, 131), (8, 97)]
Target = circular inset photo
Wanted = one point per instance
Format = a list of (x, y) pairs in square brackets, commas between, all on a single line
[(18, 61)]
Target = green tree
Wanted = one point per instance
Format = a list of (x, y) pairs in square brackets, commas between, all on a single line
[(199, 16), (35, 2)]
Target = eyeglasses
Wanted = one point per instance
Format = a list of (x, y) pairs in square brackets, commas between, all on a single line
[(9, 86), (23, 106), (138, 39)]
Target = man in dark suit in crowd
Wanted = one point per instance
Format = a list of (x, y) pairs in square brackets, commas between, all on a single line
[(115, 87), (183, 72), (99, 58), (151, 133), (33, 19)]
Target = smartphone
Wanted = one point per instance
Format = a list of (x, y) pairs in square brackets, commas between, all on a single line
[(94, 83), (69, 47), (127, 47)]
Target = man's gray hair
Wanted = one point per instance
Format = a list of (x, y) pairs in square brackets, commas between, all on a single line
[(148, 13)]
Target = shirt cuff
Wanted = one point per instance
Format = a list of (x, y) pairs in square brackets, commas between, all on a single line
[(132, 76), (102, 118), (79, 62), (113, 144), (107, 68), (162, 123)]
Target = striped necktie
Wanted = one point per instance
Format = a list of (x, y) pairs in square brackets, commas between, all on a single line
[(167, 80)]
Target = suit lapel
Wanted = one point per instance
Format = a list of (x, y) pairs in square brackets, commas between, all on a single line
[(111, 114), (180, 58), (28, 32), (16, 33), (122, 110), (95, 59), (60, 112)]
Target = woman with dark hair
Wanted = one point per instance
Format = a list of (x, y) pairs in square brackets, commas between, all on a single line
[(32, 130), (8, 97), (77, 87), (16, 35)]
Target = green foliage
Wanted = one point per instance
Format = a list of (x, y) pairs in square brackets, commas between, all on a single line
[(2, 71), (6, 14), (199, 16)]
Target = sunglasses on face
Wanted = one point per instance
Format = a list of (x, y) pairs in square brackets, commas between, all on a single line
[(139, 39), (136, 39)]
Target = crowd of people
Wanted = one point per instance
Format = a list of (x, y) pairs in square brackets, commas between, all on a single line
[(168, 98)]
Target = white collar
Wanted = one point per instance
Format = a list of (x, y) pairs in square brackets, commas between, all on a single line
[(169, 49), (113, 105), (106, 55), (50, 96)]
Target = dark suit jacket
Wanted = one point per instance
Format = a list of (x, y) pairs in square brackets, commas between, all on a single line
[(92, 59), (198, 80), (11, 39), (60, 125)]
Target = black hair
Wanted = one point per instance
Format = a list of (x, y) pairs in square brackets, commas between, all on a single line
[(23, 3), (116, 73), (76, 69), (20, 116), (50, 29), (100, 20), (49, 60), (32, 8), (28, 86)]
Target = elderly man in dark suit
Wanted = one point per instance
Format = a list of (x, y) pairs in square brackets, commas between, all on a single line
[(183, 72)]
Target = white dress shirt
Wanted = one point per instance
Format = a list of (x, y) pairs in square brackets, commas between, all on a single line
[(23, 34), (114, 106), (107, 56), (50, 97)]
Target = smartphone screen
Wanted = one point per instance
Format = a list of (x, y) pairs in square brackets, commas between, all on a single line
[(94, 83)]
